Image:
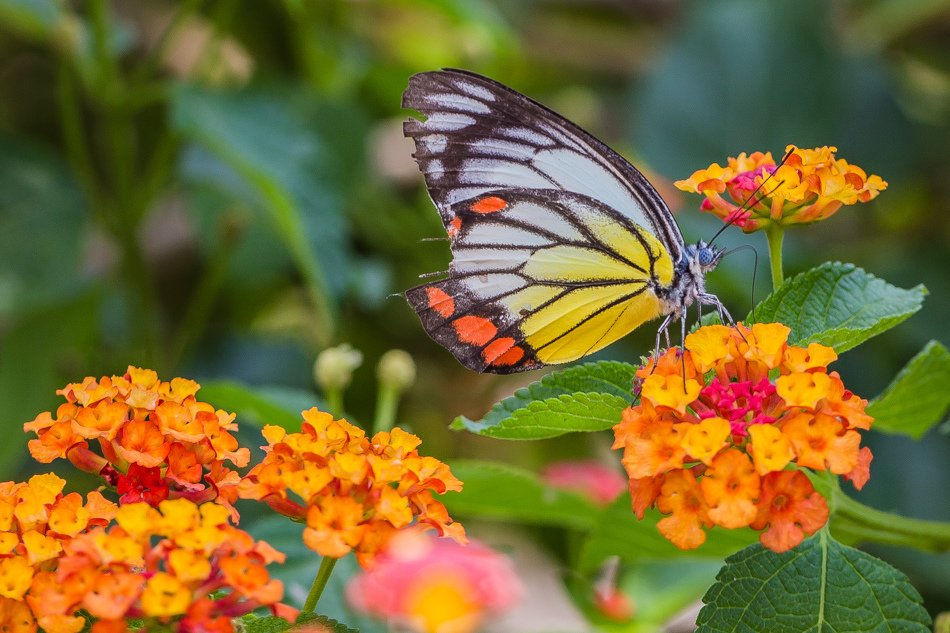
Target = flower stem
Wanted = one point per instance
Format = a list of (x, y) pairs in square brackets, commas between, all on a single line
[(387, 401), (334, 398), (319, 584), (869, 524), (774, 234)]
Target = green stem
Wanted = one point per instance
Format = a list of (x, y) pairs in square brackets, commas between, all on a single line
[(774, 234), (335, 401), (319, 584), (869, 524), (387, 401)]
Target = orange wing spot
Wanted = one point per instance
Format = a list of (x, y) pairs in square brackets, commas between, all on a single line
[(503, 352), (491, 204), (440, 301), (454, 226), (474, 330)]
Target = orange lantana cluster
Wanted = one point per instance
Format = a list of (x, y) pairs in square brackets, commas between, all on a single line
[(353, 491), (182, 565), (36, 522), (811, 185), (156, 439), (724, 443)]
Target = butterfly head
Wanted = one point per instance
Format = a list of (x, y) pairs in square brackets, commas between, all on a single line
[(702, 257)]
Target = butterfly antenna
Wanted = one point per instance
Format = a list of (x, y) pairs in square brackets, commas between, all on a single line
[(755, 268), (736, 215)]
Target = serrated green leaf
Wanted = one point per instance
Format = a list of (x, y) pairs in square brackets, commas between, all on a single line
[(543, 419), (918, 397), (609, 378), (617, 531), (269, 624), (330, 623), (498, 491), (838, 305), (821, 586)]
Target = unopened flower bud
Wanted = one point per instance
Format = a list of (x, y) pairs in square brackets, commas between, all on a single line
[(396, 369), (334, 367)]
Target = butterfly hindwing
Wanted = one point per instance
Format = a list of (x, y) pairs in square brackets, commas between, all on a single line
[(539, 276)]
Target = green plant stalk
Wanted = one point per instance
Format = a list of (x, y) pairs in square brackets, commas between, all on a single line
[(387, 402), (869, 524), (774, 234), (334, 398), (319, 584)]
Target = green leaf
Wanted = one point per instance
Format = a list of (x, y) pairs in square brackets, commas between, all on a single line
[(252, 623), (838, 305), (617, 531), (330, 623), (556, 404), (821, 586), (506, 493), (260, 405), (38, 355), (36, 19), (38, 198), (918, 397), (282, 165)]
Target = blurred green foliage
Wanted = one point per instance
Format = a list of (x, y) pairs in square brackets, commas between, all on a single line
[(219, 189)]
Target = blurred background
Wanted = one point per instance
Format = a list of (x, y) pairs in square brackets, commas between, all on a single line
[(220, 189)]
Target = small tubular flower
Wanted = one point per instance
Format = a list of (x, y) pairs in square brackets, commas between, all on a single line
[(752, 190), (428, 585), (352, 491), (155, 439), (721, 454)]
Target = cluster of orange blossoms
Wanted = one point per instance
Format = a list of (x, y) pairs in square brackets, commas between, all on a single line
[(156, 439), (810, 185), (59, 560), (353, 491), (723, 444)]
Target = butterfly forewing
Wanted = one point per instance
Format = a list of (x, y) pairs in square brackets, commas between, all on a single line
[(480, 136)]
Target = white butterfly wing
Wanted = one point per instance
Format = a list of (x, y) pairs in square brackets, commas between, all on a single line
[(480, 136)]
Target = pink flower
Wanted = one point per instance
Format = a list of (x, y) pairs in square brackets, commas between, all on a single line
[(601, 483), (431, 585)]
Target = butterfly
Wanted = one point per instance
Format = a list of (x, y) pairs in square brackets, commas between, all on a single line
[(559, 245)]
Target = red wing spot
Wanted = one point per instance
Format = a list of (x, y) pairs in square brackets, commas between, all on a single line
[(440, 301), (474, 330), (454, 226), (502, 352), (491, 204)]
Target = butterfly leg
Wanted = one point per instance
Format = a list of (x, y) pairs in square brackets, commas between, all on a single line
[(724, 315), (663, 329)]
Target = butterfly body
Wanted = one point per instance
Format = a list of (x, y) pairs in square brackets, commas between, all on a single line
[(559, 245)]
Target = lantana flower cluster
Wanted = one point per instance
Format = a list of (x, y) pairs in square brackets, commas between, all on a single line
[(62, 561), (353, 491), (752, 191), (36, 522), (157, 441), (724, 429)]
